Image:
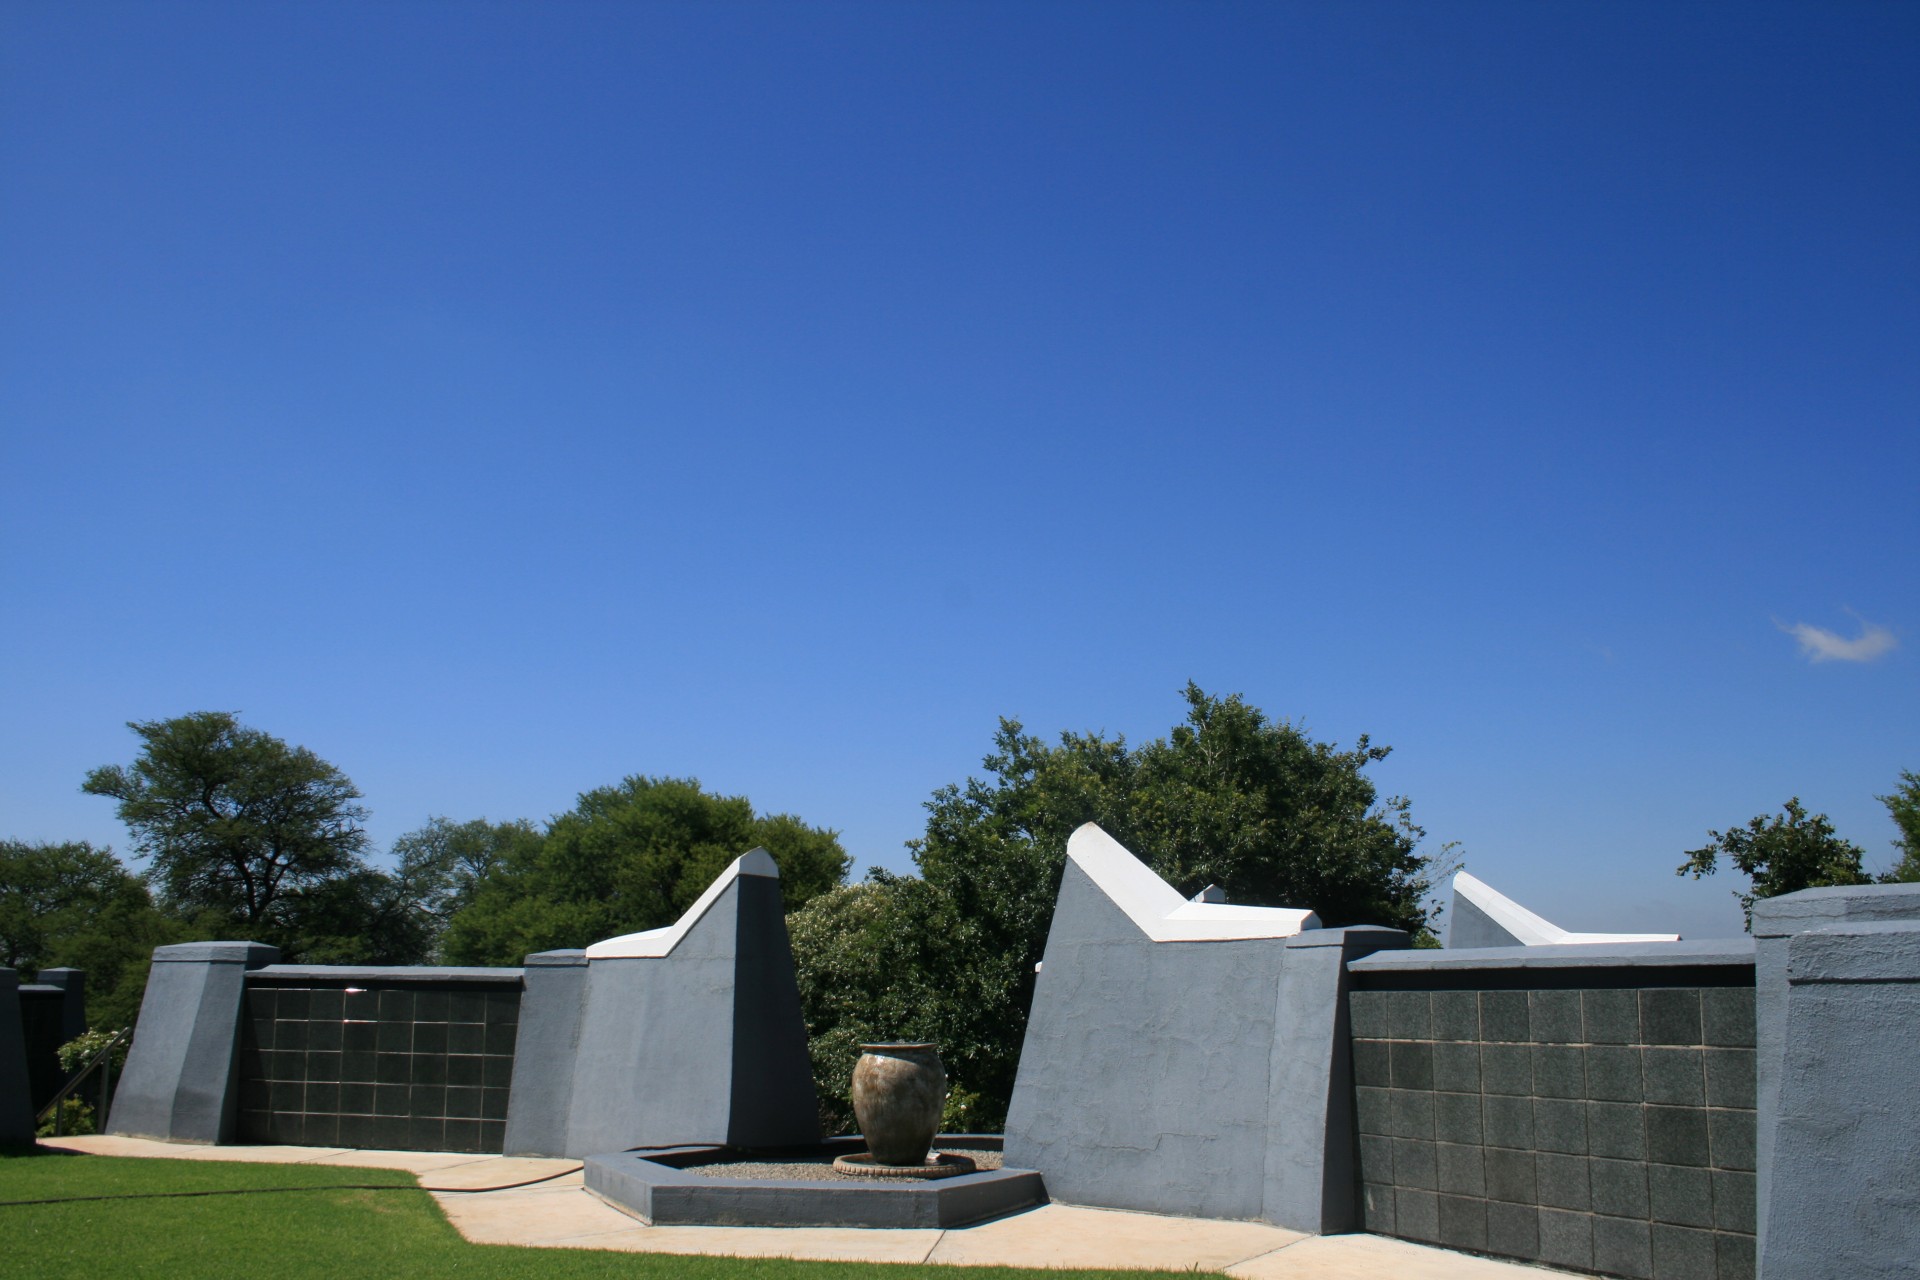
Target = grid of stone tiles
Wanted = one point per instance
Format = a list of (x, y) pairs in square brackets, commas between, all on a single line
[(400, 1067), (1608, 1131)]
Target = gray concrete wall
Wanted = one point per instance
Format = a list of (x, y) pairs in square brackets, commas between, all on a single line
[(1843, 1198), (550, 1010), (180, 1079), (704, 1045), (16, 1108), (1143, 1081), (1312, 1171), (1775, 922)]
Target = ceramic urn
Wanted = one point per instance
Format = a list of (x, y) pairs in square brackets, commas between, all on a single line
[(899, 1092)]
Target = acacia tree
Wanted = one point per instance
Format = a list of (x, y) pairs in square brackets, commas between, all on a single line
[(239, 824), (1781, 853)]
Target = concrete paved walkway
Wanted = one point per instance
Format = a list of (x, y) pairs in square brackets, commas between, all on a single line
[(557, 1211)]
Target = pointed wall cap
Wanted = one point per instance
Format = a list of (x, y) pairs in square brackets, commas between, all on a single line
[(1157, 908), (1532, 930), (654, 943)]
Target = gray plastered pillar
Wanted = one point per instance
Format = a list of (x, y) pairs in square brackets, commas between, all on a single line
[(554, 991), (1844, 1196), (16, 1102), (179, 1082), (1312, 1160), (1775, 922), (73, 1005)]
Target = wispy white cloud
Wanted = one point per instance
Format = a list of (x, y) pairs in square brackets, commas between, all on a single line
[(1818, 644)]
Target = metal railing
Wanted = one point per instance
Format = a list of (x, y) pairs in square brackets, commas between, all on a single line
[(101, 1061)]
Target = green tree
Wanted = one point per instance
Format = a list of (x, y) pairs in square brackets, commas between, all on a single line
[(1781, 853), (629, 857), (442, 864), (71, 905), (238, 825), (1904, 807), (1229, 797)]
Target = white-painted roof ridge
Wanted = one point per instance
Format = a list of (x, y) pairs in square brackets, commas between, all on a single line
[(1157, 908), (1530, 929), (655, 943)]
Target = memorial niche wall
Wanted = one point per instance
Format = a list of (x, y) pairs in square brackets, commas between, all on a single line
[(1584, 1119), (416, 1066)]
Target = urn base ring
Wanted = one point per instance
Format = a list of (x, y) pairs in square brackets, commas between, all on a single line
[(938, 1165)]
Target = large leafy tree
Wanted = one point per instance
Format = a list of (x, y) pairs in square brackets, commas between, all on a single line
[(1903, 806), (629, 857), (74, 905), (442, 864), (1228, 797), (1780, 853), (266, 838)]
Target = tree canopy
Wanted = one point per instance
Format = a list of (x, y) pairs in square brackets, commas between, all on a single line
[(628, 857), (1228, 797), (241, 827), (1781, 853), (1903, 806)]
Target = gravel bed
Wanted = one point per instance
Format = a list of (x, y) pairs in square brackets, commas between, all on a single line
[(816, 1169)]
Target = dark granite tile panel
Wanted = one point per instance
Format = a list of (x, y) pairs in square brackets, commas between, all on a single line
[(1456, 1118), (393, 1037), (428, 1068), (326, 1004), (286, 1095), (356, 1099), (320, 1129), (290, 1035), (1376, 1158), (427, 1100), (1678, 1135), (1368, 1012), (1370, 1059), (501, 1038), (360, 1037), (1456, 1015), (1617, 1130), (1506, 1068), (1730, 1078), (326, 1035), (1412, 1015), (1566, 1239), (1510, 1176), (1559, 1071), (1733, 1201), (1680, 1195), (1683, 1253), (1611, 1017), (1560, 1124), (1623, 1247), (1513, 1230), (1563, 1181), (260, 1002), (1376, 1207), (1503, 1016), (1416, 1215), (1462, 1171), (430, 1037), (357, 1065), (1614, 1073), (359, 1131), (290, 1002), (1412, 1064), (465, 1037), (1619, 1187), (496, 1071), (1675, 1077), (390, 1100), (426, 1133), (1375, 1110), (255, 1095), (1413, 1164), (1670, 1017), (1507, 1122), (466, 1006), (396, 1005), (493, 1104), (325, 1067), (259, 1033), (503, 1008), (1553, 1017), (1732, 1139), (1456, 1067), (361, 1006), (324, 1098), (392, 1068), (464, 1135), (463, 1103), (1412, 1114), (1463, 1223), (1727, 1016), (430, 1006), (1733, 1255)]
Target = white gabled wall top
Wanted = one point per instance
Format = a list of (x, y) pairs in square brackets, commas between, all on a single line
[(1157, 908), (1530, 929), (655, 943)]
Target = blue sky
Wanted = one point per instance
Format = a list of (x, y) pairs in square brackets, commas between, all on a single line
[(503, 399)]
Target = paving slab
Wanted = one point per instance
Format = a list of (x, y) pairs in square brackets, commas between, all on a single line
[(503, 1171), (532, 1215), (1061, 1235), (812, 1244), (1363, 1257), (411, 1161)]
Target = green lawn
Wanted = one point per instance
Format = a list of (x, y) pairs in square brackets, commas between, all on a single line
[(319, 1233)]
